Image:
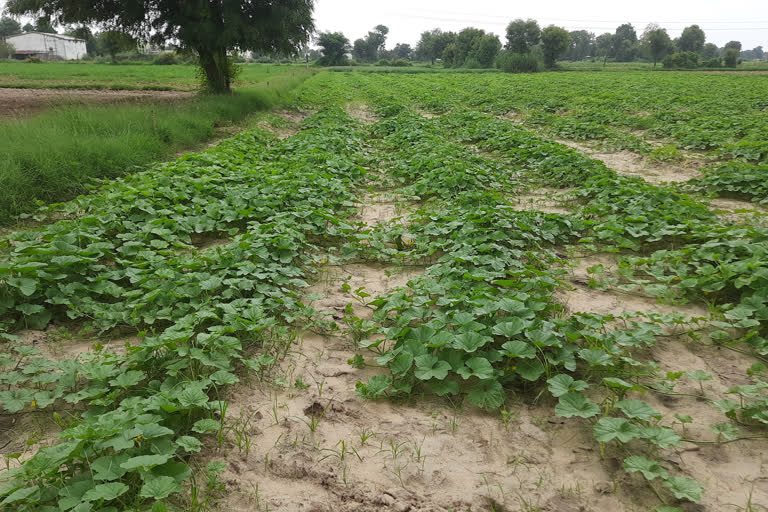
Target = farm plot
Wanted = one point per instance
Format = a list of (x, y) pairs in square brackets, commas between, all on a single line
[(375, 314)]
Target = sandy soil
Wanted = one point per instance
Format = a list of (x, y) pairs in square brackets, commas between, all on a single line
[(19, 103), (544, 199), (632, 164), (361, 112), (741, 212)]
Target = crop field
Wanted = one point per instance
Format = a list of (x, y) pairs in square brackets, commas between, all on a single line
[(86, 75), (410, 292)]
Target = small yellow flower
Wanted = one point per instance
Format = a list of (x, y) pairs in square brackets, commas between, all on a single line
[(34, 403), (138, 438)]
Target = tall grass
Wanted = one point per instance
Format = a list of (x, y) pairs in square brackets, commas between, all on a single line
[(54, 156)]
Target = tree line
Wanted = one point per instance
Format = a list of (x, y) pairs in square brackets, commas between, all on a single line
[(527, 43)]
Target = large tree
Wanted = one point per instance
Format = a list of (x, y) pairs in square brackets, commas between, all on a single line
[(555, 42), (369, 48), (485, 50), (403, 51), (522, 35), (733, 45), (604, 46), (433, 43), (9, 27), (656, 42), (692, 39), (213, 29), (334, 47), (710, 51), (43, 24), (625, 43), (582, 45)]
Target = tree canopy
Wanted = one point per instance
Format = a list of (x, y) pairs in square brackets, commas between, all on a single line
[(656, 42), (334, 47), (522, 35), (555, 42), (9, 27), (692, 39), (211, 29), (432, 44), (367, 49)]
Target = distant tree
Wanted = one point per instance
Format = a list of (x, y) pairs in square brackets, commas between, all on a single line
[(432, 44), (625, 43), (210, 29), (731, 57), (486, 50), (466, 40), (555, 42), (367, 49), (656, 42), (29, 27), (710, 51), (9, 27), (334, 46), (692, 39), (604, 46), (759, 53), (733, 45), (43, 24), (402, 51), (472, 48), (582, 45), (360, 50), (85, 33), (449, 55), (112, 42), (522, 35)]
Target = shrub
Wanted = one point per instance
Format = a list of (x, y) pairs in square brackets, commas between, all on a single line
[(33, 60), (715, 62), (383, 62), (518, 63), (6, 50), (165, 59), (401, 63), (682, 60)]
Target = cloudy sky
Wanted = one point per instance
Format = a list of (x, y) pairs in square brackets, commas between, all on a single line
[(723, 21)]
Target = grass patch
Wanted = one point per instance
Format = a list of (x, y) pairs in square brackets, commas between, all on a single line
[(89, 75), (55, 156)]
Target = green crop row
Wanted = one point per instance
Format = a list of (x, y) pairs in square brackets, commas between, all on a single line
[(126, 258)]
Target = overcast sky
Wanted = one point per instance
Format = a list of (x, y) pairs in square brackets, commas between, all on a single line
[(723, 21)]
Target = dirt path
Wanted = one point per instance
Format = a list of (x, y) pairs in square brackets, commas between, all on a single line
[(20, 103)]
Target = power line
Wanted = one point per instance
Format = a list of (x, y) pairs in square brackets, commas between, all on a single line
[(574, 20), (592, 27)]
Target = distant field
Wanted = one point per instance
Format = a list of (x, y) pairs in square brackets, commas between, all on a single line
[(86, 75)]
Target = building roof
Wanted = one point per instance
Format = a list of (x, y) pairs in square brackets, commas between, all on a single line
[(46, 34)]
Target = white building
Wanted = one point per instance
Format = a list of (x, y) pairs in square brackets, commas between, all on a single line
[(47, 46)]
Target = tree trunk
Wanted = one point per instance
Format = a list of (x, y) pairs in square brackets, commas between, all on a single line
[(215, 66)]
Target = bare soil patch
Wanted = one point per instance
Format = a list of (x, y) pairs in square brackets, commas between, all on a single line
[(632, 164), (581, 298), (738, 211), (361, 112), (544, 199), (20, 103)]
